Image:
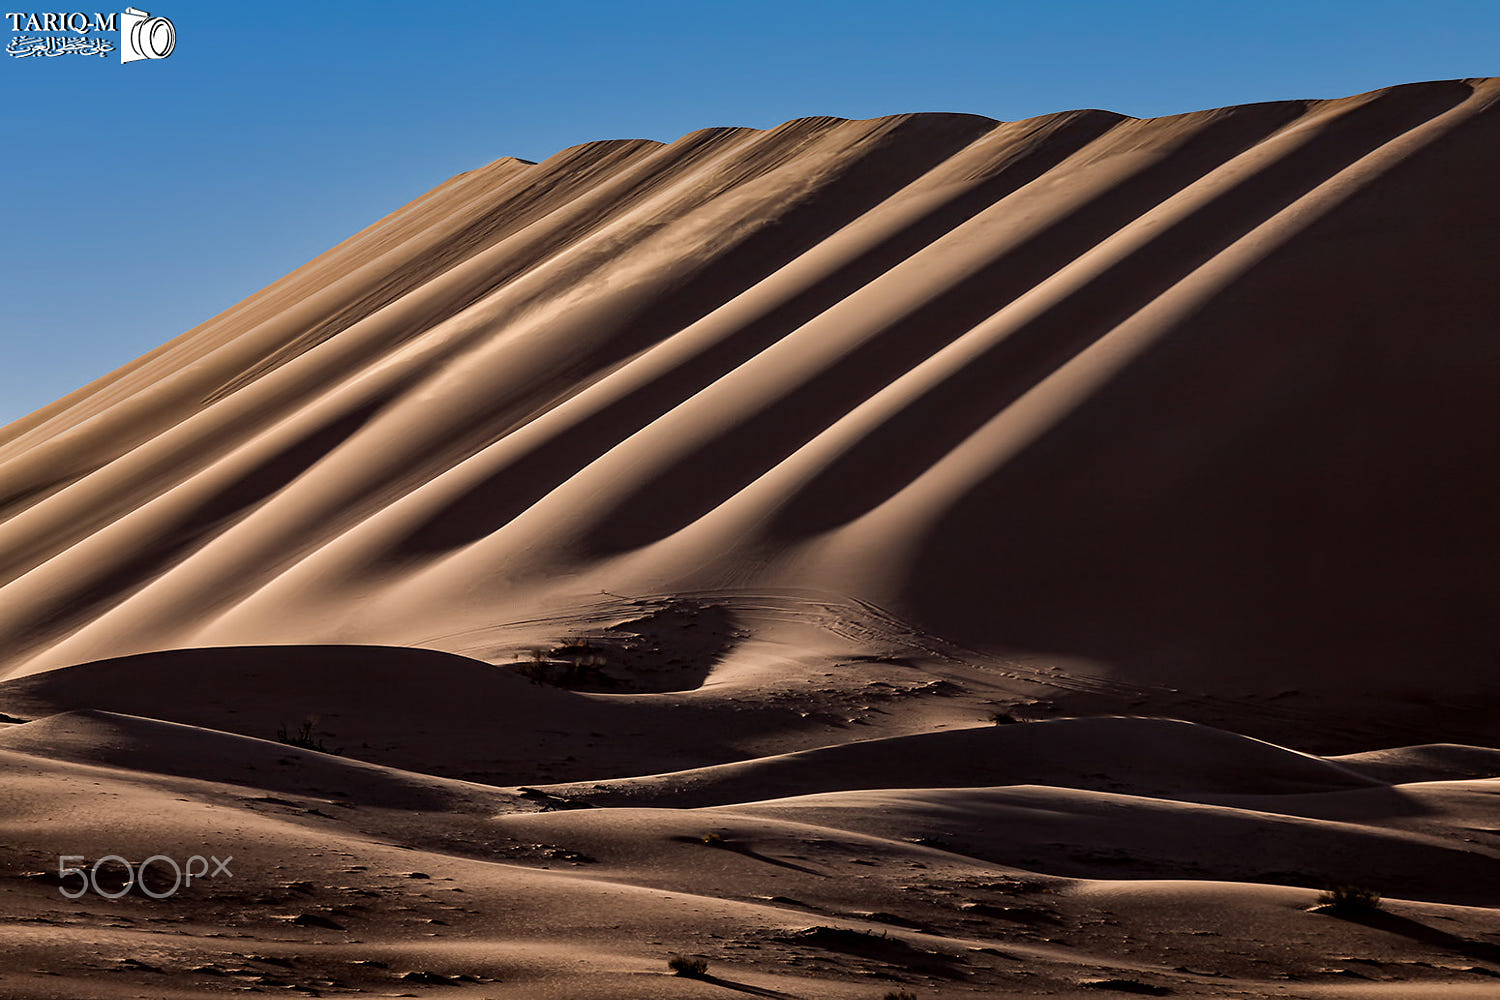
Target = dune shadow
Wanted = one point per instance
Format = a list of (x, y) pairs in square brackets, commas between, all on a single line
[(672, 647), (753, 855), (1415, 930), (757, 856), (755, 991), (891, 951)]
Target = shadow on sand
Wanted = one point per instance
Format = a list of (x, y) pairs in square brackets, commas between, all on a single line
[(755, 991), (1415, 930)]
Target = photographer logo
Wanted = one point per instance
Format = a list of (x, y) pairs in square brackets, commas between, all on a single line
[(145, 37), (139, 34)]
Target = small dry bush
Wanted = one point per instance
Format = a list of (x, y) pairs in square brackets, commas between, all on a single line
[(690, 968), (305, 737), (1349, 899)]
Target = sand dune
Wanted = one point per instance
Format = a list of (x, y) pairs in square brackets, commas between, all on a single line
[(355, 877), (164, 748), (1116, 754), (926, 555), (886, 359)]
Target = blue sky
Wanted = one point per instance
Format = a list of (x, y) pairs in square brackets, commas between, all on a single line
[(144, 198)]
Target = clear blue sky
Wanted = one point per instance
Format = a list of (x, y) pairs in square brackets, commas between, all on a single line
[(141, 199)]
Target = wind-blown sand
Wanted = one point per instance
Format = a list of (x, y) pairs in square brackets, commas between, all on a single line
[(654, 536)]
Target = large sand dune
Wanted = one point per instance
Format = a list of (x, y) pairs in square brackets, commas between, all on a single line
[(656, 533)]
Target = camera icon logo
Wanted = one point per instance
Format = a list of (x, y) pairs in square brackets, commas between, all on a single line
[(145, 37)]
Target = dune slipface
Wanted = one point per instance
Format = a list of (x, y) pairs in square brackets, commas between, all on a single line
[(655, 531)]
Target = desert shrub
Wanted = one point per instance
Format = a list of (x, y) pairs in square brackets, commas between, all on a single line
[(690, 968), (582, 652), (1349, 899), (1003, 718), (536, 670), (564, 667), (304, 737)]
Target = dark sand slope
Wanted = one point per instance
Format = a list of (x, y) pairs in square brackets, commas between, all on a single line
[(655, 532)]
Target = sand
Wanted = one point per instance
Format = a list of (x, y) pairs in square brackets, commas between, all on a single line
[(921, 555)]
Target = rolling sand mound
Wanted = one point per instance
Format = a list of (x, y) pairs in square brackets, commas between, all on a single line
[(1090, 833), (164, 748), (907, 557), (415, 709), (357, 877), (1438, 762), (1114, 754)]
